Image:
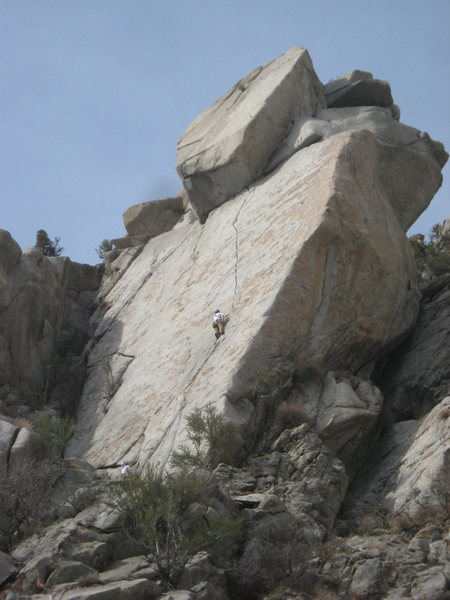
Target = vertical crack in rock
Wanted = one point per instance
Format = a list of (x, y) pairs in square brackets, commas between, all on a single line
[(236, 247), (194, 250), (172, 427)]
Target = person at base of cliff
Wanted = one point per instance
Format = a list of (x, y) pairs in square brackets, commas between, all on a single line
[(125, 468), (219, 323)]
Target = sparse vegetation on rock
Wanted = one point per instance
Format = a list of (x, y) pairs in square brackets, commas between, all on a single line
[(270, 382), (52, 435), (212, 440), (167, 514), (47, 246), (431, 259), (105, 246)]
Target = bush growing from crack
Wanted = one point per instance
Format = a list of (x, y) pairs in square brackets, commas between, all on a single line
[(213, 439), (52, 435), (269, 382), (105, 246), (429, 255), (46, 245), (154, 508)]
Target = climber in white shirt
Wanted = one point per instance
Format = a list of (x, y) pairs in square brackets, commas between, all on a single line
[(219, 323), (125, 468)]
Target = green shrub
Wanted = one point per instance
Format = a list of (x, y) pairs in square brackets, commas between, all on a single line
[(105, 246), (419, 250), (212, 438), (428, 254), (439, 263), (154, 508), (53, 433), (269, 382)]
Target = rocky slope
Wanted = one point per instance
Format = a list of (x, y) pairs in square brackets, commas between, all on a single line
[(296, 199)]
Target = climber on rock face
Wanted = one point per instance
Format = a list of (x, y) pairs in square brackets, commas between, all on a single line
[(219, 323), (125, 468)]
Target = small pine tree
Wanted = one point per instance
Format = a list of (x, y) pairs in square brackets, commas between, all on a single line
[(46, 245), (105, 246), (435, 233), (429, 254)]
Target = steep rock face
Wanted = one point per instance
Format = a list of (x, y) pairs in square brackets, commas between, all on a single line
[(10, 253), (409, 469), (44, 312), (310, 264), (228, 145), (416, 377)]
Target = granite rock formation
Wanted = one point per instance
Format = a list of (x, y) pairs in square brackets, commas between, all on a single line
[(339, 250), (44, 315), (334, 365), (311, 264), (227, 146)]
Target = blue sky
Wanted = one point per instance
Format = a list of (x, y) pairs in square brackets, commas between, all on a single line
[(95, 93)]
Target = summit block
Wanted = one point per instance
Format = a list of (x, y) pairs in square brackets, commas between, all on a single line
[(229, 144)]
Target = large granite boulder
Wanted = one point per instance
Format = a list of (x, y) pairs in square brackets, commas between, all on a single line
[(346, 412), (153, 218), (410, 162), (147, 220), (68, 570), (311, 263), (228, 145)]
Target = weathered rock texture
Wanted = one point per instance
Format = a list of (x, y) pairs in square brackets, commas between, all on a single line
[(228, 145), (409, 468), (309, 261), (294, 286), (410, 162), (44, 315)]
